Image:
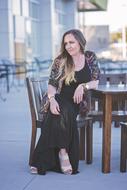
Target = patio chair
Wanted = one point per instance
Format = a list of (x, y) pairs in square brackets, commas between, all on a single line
[(123, 148), (3, 75), (36, 87)]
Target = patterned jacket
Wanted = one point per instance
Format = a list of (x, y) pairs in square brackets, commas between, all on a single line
[(92, 62)]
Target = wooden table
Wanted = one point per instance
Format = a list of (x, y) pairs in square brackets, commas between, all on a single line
[(107, 93)]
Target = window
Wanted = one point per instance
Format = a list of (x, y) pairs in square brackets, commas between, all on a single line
[(16, 7), (25, 8), (34, 10)]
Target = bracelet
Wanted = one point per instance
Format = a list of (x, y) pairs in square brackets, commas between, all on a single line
[(51, 97), (85, 86)]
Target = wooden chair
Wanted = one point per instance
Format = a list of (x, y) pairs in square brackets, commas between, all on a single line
[(123, 149), (36, 87)]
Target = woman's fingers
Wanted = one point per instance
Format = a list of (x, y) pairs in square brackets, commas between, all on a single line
[(78, 95), (78, 98), (54, 107), (55, 111)]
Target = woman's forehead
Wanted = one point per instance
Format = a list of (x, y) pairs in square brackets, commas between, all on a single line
[(69, 37)]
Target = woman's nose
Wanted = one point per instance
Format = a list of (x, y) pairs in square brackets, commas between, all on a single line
[(68, 46)]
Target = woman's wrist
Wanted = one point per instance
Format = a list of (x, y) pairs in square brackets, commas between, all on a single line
[(85, 86), (51, 97)]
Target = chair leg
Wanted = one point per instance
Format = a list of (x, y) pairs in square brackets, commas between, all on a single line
[(82, 144), (32, 145), (89, 142), (116, 124), (123, 155), (100, 124)]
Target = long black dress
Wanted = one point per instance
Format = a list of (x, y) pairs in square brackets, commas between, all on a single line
[(60, 131)]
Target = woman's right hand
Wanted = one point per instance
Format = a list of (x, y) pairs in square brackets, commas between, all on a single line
[(93, 84), (54, 107)]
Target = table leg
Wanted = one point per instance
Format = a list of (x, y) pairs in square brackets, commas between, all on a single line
[(107, 120)]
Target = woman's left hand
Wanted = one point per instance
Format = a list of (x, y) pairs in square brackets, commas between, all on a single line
[(78, 94)]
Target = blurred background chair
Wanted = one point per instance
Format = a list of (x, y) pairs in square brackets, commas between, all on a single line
[(123, 147), (15, 72), (3, 81), (43, 64)]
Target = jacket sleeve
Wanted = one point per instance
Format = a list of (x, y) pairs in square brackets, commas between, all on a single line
[(93, 65), (53, 80), (95, 72)]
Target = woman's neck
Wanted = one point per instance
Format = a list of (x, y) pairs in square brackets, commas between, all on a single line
[(79, 61)]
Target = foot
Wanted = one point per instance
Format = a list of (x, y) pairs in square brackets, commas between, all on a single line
[(33, 170), (65, 165)]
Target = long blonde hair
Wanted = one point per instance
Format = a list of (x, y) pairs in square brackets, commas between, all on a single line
[(67, 63)]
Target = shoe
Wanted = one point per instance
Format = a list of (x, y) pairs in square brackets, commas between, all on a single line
[(65, 165), (33, 170)]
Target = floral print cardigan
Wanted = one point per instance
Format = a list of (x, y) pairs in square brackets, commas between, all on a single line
[(92, 62), (55, 81)]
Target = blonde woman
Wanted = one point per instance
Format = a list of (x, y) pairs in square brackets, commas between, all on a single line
[(73, 72)]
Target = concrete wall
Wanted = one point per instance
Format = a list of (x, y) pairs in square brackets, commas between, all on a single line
[(51, 28), (46, 28)]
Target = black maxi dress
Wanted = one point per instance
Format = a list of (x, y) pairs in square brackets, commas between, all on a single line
[(60, 131)]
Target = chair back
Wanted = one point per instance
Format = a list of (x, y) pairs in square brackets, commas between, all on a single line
[(36, 88)]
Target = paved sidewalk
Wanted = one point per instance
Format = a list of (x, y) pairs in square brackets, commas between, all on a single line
[(15, 131)]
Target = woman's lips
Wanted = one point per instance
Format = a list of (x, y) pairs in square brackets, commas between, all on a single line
[(70, 51)]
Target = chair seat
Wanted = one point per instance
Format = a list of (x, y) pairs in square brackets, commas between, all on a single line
[(81, 121)]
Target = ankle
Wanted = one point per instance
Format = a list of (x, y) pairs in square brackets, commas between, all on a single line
[(62, 151)]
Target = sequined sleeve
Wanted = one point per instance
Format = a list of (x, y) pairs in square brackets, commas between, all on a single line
[(93, 64), (53, 80)]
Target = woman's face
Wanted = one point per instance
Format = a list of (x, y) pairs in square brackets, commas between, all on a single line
[(71, 45)]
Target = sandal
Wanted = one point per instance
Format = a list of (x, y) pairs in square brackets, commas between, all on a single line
[(65, 165), (33, 170)]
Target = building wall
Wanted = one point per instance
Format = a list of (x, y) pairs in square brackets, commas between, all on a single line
[(6, 30), (97, 37), (65, 12), (54, 23), (95, 27), (33, 28), (46, 25)]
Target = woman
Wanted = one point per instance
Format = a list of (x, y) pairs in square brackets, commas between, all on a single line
[(73, 72)]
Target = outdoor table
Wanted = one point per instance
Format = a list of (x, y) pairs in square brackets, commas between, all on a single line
[(107, 94)]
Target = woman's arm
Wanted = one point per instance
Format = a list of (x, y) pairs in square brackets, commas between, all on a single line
[(52, 88), (53, 78), (90, 85), (54, 106), (51, 91), (82, 88), (95, 72)]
